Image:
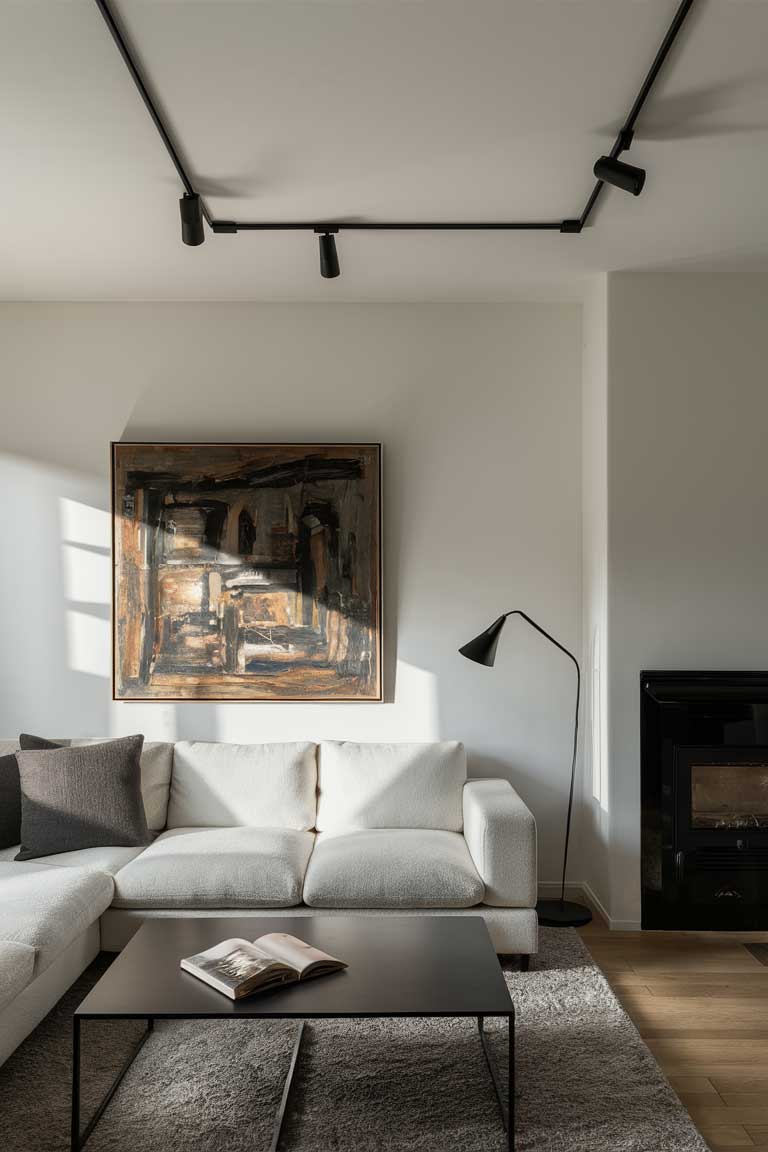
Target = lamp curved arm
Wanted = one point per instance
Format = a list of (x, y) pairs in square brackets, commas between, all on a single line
[(570, 655)]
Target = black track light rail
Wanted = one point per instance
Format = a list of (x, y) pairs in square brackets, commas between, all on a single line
[(122, 46), (627, 130), (387, 226), (571, 225)]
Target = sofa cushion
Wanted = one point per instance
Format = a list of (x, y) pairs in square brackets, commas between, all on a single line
[(255, 785), (217, 868), (392, 868), (390, 786), (108, 859), (81, 797), (47, 908), (17, 963)]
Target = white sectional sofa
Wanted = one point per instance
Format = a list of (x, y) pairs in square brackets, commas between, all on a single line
[(259, 828)]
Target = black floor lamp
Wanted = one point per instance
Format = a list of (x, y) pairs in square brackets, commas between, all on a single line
[(560, 913)]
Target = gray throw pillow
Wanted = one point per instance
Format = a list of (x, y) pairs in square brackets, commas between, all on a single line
[(84, 797), (10, 791), (10, 801), (29, 743)]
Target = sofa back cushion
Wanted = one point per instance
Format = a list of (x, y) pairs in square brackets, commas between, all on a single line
[(234, 785), (390, 786)]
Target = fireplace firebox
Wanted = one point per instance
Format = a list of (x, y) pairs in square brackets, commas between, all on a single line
[(704, 796)]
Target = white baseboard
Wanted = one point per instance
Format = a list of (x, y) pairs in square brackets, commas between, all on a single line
[(580, 890), (596, 903)]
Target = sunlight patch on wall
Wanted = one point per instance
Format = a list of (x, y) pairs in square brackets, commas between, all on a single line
[(88, 643), (82, 524), (86, 575), (86, 564)]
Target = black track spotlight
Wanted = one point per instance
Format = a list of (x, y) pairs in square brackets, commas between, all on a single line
[(329, 258), (621, 175), (191, 219)]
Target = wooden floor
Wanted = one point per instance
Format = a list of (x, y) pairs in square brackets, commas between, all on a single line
[(700, 1002)]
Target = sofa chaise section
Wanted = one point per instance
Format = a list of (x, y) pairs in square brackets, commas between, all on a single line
[(109, 859), (47, 908), (52, 913), (17, 963)]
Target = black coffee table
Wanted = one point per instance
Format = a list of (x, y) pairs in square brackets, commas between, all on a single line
[(413, 966)]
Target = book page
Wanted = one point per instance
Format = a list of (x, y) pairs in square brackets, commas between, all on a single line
[(297, 953), (235, 964)]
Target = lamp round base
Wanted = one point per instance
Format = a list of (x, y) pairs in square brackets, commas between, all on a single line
[(562, 914)]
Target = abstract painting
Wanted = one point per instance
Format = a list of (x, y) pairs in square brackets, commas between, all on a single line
[(247, 571)]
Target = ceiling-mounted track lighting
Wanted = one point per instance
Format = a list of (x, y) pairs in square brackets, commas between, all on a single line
[(608, 170), (191, 219), (329, 257), (620, 175)]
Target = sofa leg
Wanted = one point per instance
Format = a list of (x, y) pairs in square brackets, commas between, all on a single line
[(525, 962)]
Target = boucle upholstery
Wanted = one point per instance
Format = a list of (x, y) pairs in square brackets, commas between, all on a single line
[(501, 836), (233, 785), (17, 963), (392, 868), (217, 868), (390, 786), (47, 908)]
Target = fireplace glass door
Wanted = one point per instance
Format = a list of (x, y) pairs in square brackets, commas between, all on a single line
[(721, 796), (728, 795)]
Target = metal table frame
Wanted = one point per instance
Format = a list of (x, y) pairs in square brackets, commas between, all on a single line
[(79, 1137)]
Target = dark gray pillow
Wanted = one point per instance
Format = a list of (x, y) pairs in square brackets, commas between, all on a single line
[(84, 797), (10, 791), (29, 743), (10, 801)]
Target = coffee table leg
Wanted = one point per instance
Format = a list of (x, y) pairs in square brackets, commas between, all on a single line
[(507, 1106), (78, 1138), (511, 1082), (280, 1117), (75, 1128)]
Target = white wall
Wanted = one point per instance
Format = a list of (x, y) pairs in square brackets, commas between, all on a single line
[(596, 782), (478, 408), (687, 484)]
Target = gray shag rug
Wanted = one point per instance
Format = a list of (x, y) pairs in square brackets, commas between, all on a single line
[(585, 1080)]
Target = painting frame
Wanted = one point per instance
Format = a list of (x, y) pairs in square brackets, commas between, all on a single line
[(375, 449)]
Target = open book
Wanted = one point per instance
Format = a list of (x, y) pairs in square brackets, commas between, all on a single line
[(239, 967)]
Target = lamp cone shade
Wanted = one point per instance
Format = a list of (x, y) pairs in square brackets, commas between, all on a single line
[(483, 648)]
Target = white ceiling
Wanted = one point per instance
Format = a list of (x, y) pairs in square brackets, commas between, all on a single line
[(441, 109)]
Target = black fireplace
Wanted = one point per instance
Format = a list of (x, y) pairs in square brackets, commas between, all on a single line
[(704, 793)]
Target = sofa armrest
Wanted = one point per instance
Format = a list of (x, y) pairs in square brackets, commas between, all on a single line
[(500, 832)]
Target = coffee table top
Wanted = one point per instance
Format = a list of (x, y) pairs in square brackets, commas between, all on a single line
[(398, 966)]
